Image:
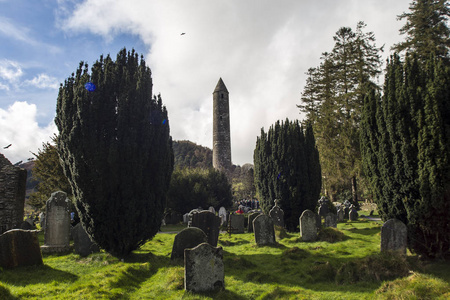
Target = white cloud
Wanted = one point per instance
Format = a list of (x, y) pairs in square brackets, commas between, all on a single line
[(261, 49), (18, 126), (10, 71), (43, 81)]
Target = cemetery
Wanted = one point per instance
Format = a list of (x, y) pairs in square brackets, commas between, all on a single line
[(362, 259)]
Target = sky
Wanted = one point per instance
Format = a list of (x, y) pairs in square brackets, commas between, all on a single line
[(260, 48)]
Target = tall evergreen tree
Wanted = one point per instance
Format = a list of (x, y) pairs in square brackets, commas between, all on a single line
[(426, 29), (116, 150), (332, 100), (287, 168)]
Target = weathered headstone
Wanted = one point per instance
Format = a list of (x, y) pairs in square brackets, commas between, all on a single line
[(209, 223), (12, 194), (82, 243), (211, 209), (222, 215), (340, 214), (353, 215), (187, 238), (308, 226), (323, 210), (252, 217), (277, 215), (237, 223), (186, 218), (394, 236), (264, 231), (203, 268), (57, 224), (330, 220), (19, 248)]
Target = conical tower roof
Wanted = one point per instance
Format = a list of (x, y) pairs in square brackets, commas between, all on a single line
[(220, 87)]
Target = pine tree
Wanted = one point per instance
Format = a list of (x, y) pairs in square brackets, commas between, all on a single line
[(116, 150), (287, 168), (426, 29), (48, 171)]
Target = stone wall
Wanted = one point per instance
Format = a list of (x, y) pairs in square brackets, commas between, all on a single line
[(12, 194)]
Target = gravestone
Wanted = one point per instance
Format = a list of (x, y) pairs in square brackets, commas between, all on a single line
[(264, 230), (57, 224), (82, 243), (187, 238), (323, 210), (251, 217), (308, 226), (394, 236), (237, 223), (211, 209), (330, 220), (222, 215), (353, 215), (186, 218), (346, 212), (19, 248), (209, 223), (203, 269), (277, 215), (12, 194), (340, 214)]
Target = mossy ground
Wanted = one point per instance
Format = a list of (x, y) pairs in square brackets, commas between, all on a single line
[(349, 266)]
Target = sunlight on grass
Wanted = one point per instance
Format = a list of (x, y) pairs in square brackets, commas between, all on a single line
[(345, 264)]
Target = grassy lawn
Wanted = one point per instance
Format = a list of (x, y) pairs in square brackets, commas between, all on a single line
[(350, 268)]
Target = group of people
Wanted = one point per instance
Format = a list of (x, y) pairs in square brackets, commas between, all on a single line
[(246, 205)]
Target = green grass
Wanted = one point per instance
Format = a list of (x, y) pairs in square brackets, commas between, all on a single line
[(345, 265)]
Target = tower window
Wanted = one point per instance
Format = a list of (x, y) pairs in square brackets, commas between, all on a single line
[(221, 96)]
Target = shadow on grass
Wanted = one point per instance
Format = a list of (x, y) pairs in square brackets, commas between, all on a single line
[(219, 295), (24, 276)]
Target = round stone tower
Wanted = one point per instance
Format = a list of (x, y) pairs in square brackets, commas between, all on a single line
[(221, 128)]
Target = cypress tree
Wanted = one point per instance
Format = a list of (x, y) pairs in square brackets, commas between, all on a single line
[(287, 168), (116, 151)]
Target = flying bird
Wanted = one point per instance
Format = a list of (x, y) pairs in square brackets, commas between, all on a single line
[(7, 146), (183, 33)]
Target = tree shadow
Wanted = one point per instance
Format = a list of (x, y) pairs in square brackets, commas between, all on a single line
[(24, 276)]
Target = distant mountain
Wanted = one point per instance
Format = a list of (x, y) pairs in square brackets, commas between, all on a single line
[(190, 155)]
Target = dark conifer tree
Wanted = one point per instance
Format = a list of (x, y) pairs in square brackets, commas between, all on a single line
[(116, 150), (287, 168)]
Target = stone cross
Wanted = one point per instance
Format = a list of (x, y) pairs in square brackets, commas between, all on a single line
[(394, 236), (203, 269), (308, 226), (264, 230)]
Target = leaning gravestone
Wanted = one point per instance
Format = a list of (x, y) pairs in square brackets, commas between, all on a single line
[(82, 242), (57, 224), (264, 230), (204, 269), (277, 215), (209, 223), (222, 215), (308, 226), (252, 217), (187, 238), (330, 220), (394, 236), (237, 223), (19, 248), (12, 194), (340, 214)]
